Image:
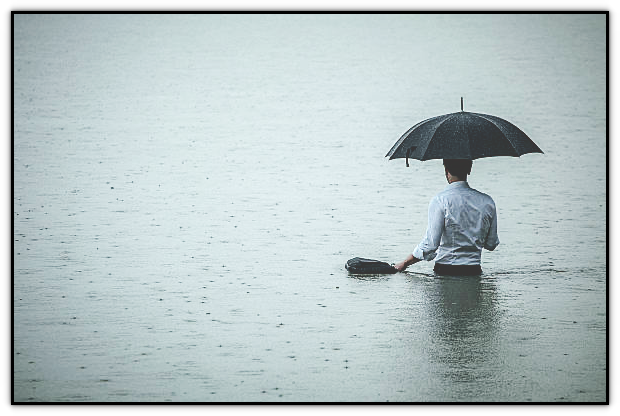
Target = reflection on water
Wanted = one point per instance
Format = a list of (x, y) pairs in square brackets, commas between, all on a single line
[(464, 320)]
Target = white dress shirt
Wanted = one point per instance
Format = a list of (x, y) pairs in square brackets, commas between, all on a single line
[(461, 222)]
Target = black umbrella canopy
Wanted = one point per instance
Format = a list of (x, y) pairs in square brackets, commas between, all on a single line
[(462, 135)]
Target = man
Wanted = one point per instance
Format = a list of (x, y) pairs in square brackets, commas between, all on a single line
[(461, 222)]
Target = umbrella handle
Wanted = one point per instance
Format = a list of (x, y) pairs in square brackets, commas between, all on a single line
[(407, 157)]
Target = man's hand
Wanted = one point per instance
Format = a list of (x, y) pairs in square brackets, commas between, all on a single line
[(400, 266), (406, 263)]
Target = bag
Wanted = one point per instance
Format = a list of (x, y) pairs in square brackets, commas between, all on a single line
[(358, 265)]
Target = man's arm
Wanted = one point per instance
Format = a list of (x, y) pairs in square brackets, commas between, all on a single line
[(426, 249), (492, 239)]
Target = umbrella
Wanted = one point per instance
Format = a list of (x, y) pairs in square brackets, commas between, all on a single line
[(462, 135)]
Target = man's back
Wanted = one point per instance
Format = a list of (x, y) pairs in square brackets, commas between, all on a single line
[(462, 221)]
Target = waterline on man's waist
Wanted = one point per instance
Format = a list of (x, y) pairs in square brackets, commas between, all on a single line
[(457, 269)]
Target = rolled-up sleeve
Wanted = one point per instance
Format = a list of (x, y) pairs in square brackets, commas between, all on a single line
[(428, 246), (492, 240)]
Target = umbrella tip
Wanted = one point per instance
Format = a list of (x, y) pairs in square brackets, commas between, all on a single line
[(461, 103)]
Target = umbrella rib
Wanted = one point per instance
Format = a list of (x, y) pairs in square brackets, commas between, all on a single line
[(405, 136), (483, 116), (436, 128), (466, 133)]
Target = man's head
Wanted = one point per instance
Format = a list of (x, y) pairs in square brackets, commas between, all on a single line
[(457, 167)]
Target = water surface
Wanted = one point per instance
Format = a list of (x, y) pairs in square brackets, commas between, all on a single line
[(187, 189)]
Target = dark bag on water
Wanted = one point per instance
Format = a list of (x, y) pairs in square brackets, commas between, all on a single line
[(358, 265)]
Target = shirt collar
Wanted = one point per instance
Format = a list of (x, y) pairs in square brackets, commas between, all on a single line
[(458, 184)]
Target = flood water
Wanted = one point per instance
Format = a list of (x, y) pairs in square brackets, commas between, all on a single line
[(188, 188)]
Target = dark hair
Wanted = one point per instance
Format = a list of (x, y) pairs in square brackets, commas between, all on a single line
[(458, 167)]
